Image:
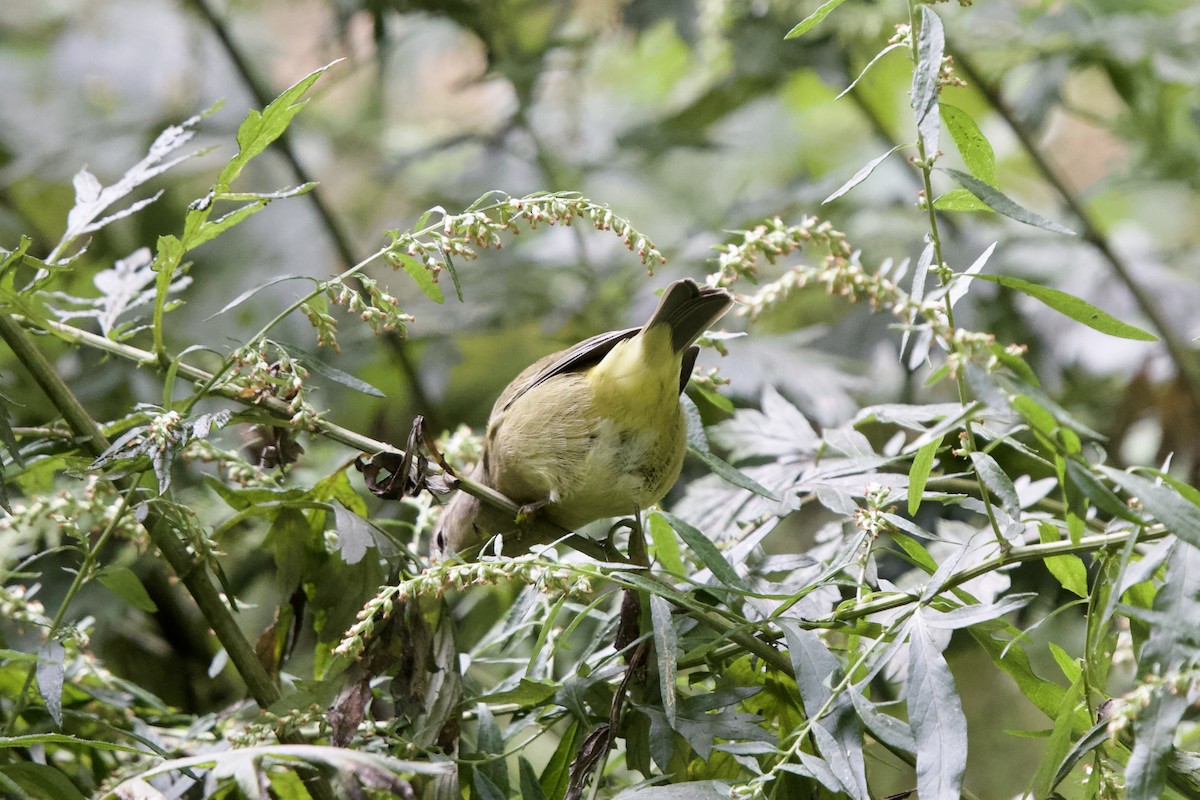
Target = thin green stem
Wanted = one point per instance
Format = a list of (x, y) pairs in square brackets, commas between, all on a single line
[(925, 162), (1008, 557)]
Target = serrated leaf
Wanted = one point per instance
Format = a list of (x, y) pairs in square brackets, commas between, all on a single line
[(354, 535), (931, 43), (861, 175), (936, 716), (260, 129), (122, 582), (665, 647), (706, 551), (812, 20), (1003, 204), (420, 275), (1071, 306), (918, 474), (973, 146)]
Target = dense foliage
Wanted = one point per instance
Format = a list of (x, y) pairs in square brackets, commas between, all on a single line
[(939, 530)]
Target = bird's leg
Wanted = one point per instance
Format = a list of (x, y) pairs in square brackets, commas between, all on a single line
[(526, 512)]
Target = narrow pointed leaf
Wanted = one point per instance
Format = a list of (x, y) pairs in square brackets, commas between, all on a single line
[(936, 716), (861, 175), (918, 475), (664, 645), (813, 19), (1071, 306), (1000, 202)]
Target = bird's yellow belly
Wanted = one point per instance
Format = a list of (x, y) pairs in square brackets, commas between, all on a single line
[(585, 463)]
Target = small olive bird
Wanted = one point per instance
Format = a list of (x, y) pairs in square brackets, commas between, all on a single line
[(592, 431)]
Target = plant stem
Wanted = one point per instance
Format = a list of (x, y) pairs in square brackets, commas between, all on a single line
[(1178, 351), (925, 162), (541, 529)]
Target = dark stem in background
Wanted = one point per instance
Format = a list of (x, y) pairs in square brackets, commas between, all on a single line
[(1178, 351), (333, 229)]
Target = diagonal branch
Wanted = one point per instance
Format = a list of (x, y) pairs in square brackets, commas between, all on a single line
[(1181, 355)]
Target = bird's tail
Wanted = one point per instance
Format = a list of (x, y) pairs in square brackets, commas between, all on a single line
[(689, 310)]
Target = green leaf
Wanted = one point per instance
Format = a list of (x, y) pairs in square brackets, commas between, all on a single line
[(490, 742), (1069, 570), (1011, 657), (1000, 202), (706, 551), (1071, 306), (973, 146), (526, 694), (260, 129), (665, 546), (530, 788), (41, 782), (812, 20), (557, 771), (420, 275), (336, 375), (665, 647), (122, 582), (871, 63), (960, 200), (918, 474), (1095, 737), (34, 739), (1059, 743)]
